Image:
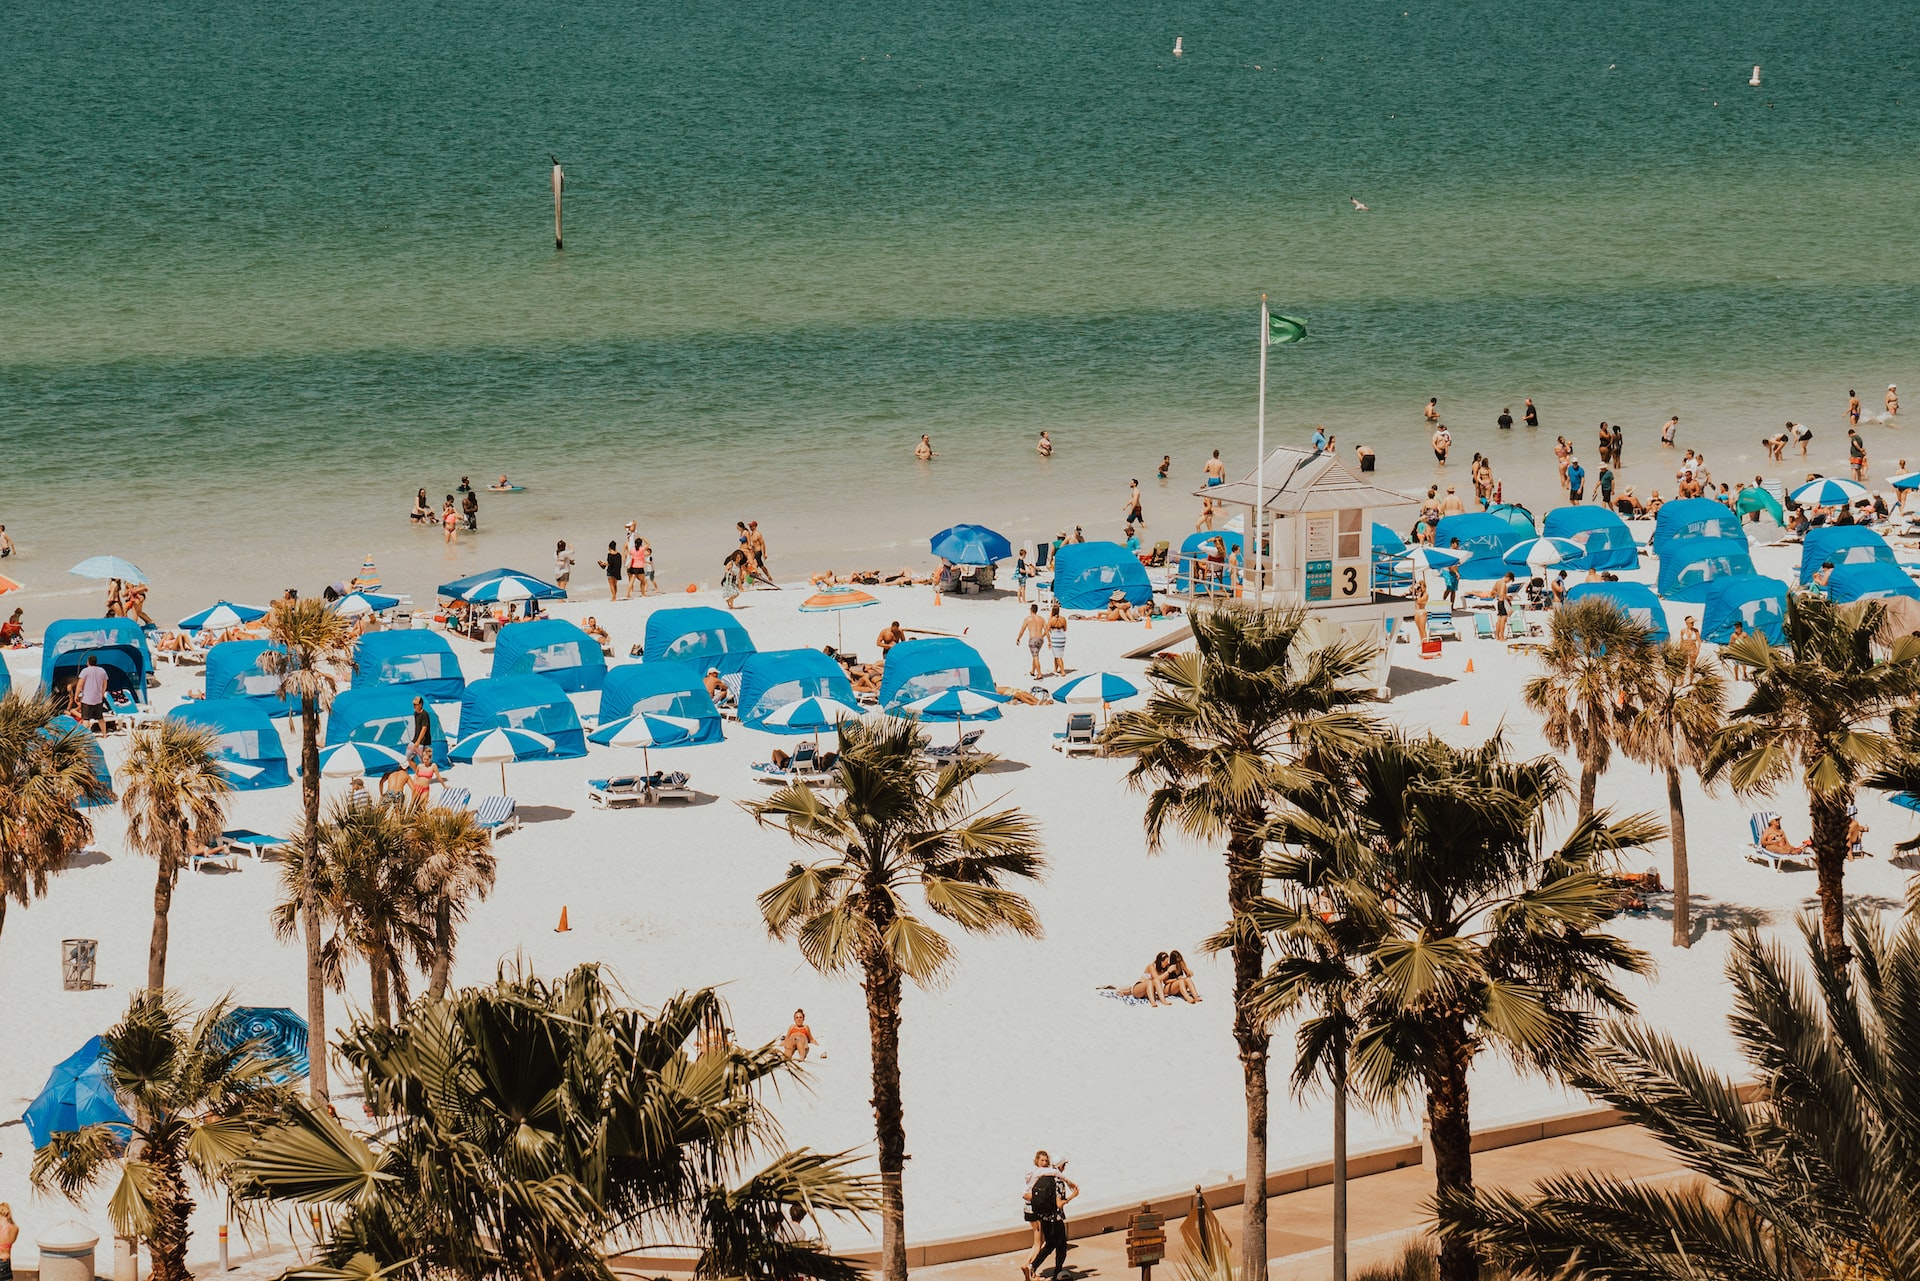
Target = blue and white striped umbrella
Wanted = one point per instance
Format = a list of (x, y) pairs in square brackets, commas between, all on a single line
[(1536, 552), (1828, 492), (354, 604), (957, 703), (1096, 687), (508, 587), (644, 731), (811, 715), (1432, 558), (221, 616), (355, 760), (501, 745), (1909, 481)]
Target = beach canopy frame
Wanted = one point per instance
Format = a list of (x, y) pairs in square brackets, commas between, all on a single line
[(119, 643), (770, 681), (678, 690), (1607, 541), (237, 669), (1689, 565), (918, 669), (414, 659), (1086, 575), (1758, 604), (531, 703), (1635, 600), (1842, 545), (382, 715), (697, 634), (246, 736), (553, 648), (1485, 537)]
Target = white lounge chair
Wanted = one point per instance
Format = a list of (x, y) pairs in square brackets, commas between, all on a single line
[(497, 814), (1758, 853), (1078, 739)]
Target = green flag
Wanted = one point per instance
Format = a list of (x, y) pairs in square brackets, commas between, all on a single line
[(1284, 328)]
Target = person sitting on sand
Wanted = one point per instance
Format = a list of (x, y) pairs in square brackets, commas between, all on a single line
[(13, 631), (592, 628), (717, 688), (1151, 985), (799, 1039), (1179, 979), (1774, 840)]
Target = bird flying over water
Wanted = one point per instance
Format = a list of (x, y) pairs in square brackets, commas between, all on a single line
[(1357, 206)]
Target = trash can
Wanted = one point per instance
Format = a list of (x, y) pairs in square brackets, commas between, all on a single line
[(66, 1252), (76, 963)]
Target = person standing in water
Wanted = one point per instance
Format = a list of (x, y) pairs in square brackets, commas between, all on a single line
[(1442, 442), (1044, 448), (1853, 407), (1433, 409), (924, 450), (1216, 470), (1893, 411), (1166, 465), (1529, 415), (1505, 421)]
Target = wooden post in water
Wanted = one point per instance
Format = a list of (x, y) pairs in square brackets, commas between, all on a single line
[(559, 182)]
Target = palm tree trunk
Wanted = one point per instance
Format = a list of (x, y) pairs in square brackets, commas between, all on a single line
[(889, 1123), (1243, 887), (310, 903), (172, 1211), (1830, 859), (1589, 785), (1340, 1164), (1450, 1129), (157, 948), (397, 985), (382, 994), (442, 949), (3, 913), (1682, 881)]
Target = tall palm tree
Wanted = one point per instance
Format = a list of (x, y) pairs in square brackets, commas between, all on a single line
[(1596, 661), (528, 1129), (1817, 715), (1817, 1183), (174, 793), (902, 827), (453, 866), (364, 868), (1682, 707), (46, 775), (198, 1097), (1481, 936), (1223, 730), (315, 646)]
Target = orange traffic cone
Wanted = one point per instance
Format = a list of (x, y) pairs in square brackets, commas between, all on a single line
[(1149, 622), (936, 600), (1463, 718), (563, 927), (1469, 667)]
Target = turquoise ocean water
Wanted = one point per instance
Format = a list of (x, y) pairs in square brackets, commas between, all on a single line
[(266, 270)]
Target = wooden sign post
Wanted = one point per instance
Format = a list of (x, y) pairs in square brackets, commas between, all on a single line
[(1146, 1241)]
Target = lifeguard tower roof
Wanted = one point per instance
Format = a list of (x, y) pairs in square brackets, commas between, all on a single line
[(1303, 480)]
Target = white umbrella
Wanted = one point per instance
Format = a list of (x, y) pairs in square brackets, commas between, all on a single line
[(1827, 492), (647, 730), (1535, 553), (352, 760), (491, 746)]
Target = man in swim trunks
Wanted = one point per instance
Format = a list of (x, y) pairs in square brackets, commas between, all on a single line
[(1502, 593), (1166, 465), (1033, 630), (889, 636), (924, 450), (1216, 470), (1442, 442)]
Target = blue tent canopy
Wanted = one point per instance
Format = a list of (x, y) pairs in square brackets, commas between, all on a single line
[(6, 678), (1387, 576), (697, 634), (100, 770), (771, 680), (1688, 565), (1870, 581), (247, 735), (460, 587), (553, 648), (524, 702), (661, 689), (1843, 545), (971, 545), (1694, 518), (415, 659), (919, 668), (1195, 548), (119, 643), (1758, 604), (382, 714), (1484, 537), (1608, 541), (79, 1092), (1635, 600), (235, 670), (1086, 575)]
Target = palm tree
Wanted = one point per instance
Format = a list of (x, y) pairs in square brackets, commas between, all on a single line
[(1225, 728), (46, 775), (454, 865), (198, 1097), (315, 645), (529, 1128), (901, 824), (1479, 935), (1816, 714), (363, 866), (1817, 1183), (175, 796), (1682, 707), (1596, 661)]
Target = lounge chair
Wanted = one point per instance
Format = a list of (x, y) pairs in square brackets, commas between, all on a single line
[(1483, 626), (1157, 557), (802, 767), (497, 814), (612, 793), (969, 741), (1440, 625), (219, 852), (1079, 736), (454, 798), (1758, 853), (243, 840)]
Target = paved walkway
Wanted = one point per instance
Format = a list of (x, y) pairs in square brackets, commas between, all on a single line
[(1384, 1211)]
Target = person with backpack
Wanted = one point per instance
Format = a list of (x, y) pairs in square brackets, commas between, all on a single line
[(1048, 1191)]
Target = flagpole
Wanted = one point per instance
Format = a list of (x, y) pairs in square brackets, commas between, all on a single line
[(1260, 466)]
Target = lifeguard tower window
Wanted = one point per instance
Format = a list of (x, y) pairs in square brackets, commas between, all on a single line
[(1352, 526)]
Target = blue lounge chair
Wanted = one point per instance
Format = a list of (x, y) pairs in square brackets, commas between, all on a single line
[(1079, 735), (454, 798), (497, 814)]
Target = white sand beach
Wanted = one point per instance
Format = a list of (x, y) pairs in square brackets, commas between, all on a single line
[(1016, 1051)]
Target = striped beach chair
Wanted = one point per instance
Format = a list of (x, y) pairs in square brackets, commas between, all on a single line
[(497, 814)]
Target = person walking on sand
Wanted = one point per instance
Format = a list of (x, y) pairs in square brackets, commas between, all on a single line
[(1033, 630), (1207, 511), (1133, 515), (615, 565), (1856, 454), (422, 741), (93, 693), (799, 1039), (1048, 1192), (1420, 605), (924, 450), (1057, 638), (1576, 481), (1502, 605), (562, 565), (1216, 470), (1044, 448)]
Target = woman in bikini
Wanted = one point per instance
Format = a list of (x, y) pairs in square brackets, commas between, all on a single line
[(1057, 638), (799, 1038), (421, 778), (1179, 979)]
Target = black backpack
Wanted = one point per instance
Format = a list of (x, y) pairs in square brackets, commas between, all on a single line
[(1044, 1200)]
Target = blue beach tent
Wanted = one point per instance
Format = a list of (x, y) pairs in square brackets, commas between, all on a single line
[(661, 689), (1086, 575), (1194, 548), (1688, 565), (119, 643), (235, 670), (553, 648), (697, 634), (769, 681), (524, 702), (382, 714), (415, 659), (6, 677), (1484, 537), (463, 588), (1843, 545), (1758, 604), (1608, 541), (79, 1092), (919, 668), (1870, 581), (1635, 600), (970, 545), (67, 724), (246, 736), (1694, 518)]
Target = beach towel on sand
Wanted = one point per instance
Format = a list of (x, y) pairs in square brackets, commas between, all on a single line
[(1125, 998)]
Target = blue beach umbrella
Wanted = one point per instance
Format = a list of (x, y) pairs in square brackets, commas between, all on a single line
[(355, 760), (1433, 558), (489, 586), (957, 704), (1537, 552), (1910, 480), (1096, 687), (354, 604), (971, 545), (646, 731), (221, 616), (282, 1034), (500, 745), (1827, 492), (104, 567), (811, 715), (79, 1092)]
